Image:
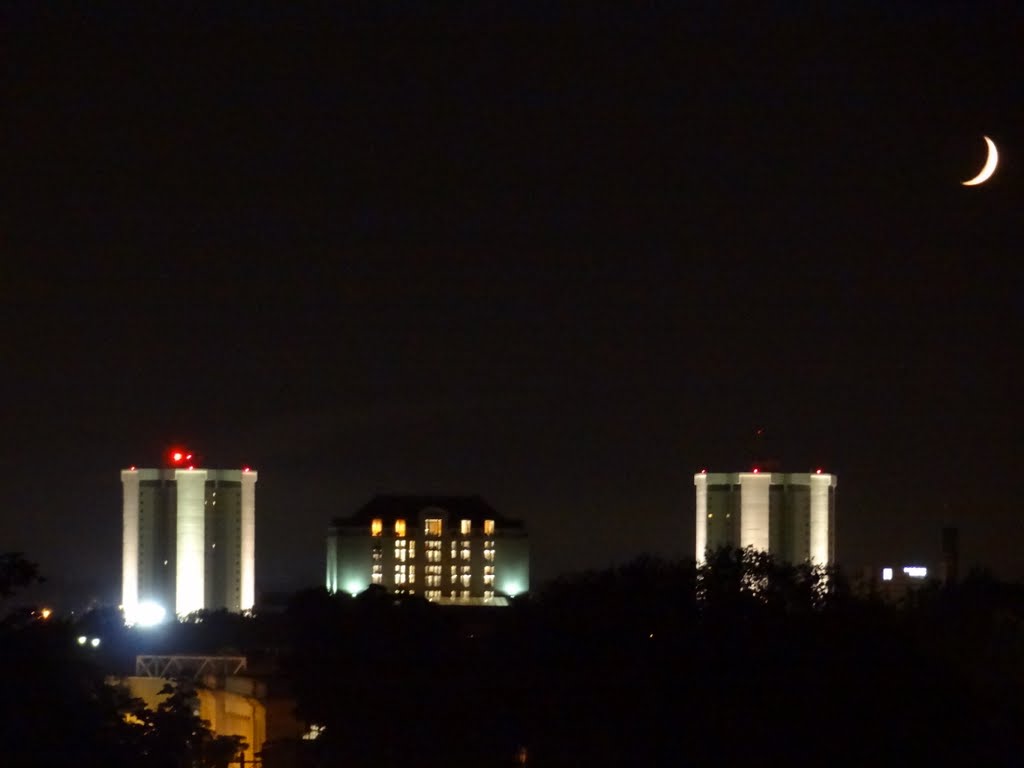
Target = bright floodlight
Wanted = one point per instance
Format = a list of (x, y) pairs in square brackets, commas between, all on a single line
[(149, 614), (95, 642), (354, 587)]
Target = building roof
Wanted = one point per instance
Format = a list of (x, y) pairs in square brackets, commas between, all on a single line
[(412, 507)]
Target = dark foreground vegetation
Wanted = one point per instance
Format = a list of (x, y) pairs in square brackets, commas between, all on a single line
[(740, 661)]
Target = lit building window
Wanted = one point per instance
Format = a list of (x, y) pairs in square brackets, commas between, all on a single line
[(455, 551), (488, 594), (377, 555), (433, 594), (400, 575), (465, 550), (488, 527), (400, 528), (313, 733), (412, 548), (412, 574), (433, 551), (455, 574), (887, 574), (466, 527), (465, 594), (432, 526), (376, 578), (488, 579), (489, 552), (376, 527), (432, 581)]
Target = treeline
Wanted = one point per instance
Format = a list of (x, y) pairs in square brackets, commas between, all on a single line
[(57, 707), (656, 663), (742, 660)]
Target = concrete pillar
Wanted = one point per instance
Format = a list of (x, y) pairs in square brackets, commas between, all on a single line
[(819, 518), (754, 510), (248, 541), (190, 576), (701, 518), (130, 544)]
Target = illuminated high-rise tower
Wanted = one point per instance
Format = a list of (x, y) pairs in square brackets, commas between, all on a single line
[(189, 537), (789, 515)]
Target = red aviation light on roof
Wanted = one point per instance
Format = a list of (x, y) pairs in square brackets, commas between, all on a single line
[(245, 469), (817, 471), (756, 470), (181, 457)]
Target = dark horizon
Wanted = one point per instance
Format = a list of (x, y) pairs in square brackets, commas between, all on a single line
[(559, 257)]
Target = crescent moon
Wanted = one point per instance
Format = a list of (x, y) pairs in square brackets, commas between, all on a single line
[(989, 168)]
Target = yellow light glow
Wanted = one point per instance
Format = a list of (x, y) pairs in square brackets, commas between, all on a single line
[(488, 527), (432, 527), (46, 613), (400, 528), (989, 168), (376, 527), (465, 527)]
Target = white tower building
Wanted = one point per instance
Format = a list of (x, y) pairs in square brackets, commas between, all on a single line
[(189, 538), (789, 515)]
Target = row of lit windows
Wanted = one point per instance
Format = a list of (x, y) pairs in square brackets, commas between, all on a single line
[(403, 549), (405, 575), (459, 575), (431, 527), (465, 594)]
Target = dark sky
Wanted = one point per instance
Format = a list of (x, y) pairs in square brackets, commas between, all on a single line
[(559, 255)]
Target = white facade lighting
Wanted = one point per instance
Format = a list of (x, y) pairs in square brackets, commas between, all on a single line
[(191, 594)]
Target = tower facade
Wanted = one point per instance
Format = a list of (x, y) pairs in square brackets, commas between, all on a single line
[(448, 549), (789, 515), (189, 539)]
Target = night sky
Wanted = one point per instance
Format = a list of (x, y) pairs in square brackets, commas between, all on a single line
[(562, 256)]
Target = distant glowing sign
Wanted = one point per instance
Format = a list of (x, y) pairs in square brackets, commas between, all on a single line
[(887, 574), (916, 571)]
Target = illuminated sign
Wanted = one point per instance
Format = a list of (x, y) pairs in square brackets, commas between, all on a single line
[(916, 571)]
